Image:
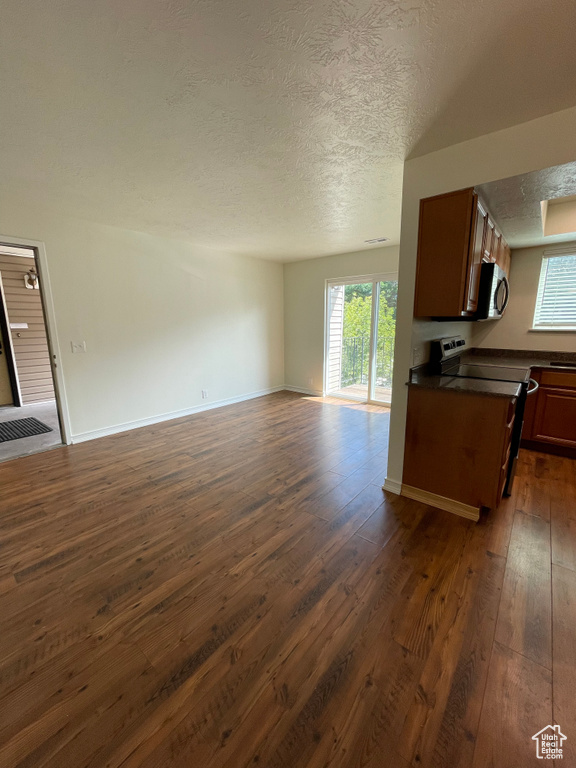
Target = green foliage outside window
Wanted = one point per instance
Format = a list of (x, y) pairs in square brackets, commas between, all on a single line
[(356, 333)]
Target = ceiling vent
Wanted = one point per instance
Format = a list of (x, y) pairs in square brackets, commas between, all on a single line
[(377, 240)]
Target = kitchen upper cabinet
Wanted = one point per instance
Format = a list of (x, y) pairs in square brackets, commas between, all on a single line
[(496, 246), (475, 257), (550, 418), (489, 241), (456, 234), (504, 257)]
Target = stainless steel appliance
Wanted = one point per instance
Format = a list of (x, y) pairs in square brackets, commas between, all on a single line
[(445, 360), (493, 292)]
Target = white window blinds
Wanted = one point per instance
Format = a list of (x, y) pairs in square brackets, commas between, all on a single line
[(556, 300)]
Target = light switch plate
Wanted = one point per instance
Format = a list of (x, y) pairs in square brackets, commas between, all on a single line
[(78, 346)]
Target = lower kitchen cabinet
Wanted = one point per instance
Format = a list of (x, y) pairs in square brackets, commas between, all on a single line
[(457, 448), (551, 418)]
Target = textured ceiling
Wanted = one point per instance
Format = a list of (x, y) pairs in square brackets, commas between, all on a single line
[(276, 128), (515, 203)]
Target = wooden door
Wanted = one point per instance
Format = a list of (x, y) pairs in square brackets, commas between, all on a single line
[(28, 330), (5, 386)]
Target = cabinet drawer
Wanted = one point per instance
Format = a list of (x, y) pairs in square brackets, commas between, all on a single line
[(565, 379)]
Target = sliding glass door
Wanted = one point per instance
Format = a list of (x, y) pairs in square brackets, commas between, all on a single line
[(360, 328)]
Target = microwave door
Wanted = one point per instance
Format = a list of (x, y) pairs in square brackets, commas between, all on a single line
[(502, 296)]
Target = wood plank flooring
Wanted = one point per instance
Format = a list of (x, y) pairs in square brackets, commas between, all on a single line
[(235, 589)]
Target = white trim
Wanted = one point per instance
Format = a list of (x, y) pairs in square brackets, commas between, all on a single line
[(303, 391), (553, 329), (96, 433), (380, 277), (51, 328), (394, 486), (441, 502), (17, 251), (373, 334)]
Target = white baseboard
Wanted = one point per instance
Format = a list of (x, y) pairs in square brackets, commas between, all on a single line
[(303, 391), (393, 486), (114, 430), (441, 502)]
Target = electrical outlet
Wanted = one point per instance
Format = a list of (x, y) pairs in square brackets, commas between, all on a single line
[(204, 394), (310, 381), (78, 346)]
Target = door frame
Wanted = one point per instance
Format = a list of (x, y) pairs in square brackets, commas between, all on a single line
[(51, 329), (379, 277)]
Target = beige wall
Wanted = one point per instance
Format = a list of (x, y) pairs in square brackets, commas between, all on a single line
[(513, 330), (560, 218), (304, 288), (527, 147), (162, 319)]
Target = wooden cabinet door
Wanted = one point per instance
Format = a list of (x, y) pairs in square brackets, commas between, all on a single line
[(443, 254), (530, 410), (555, 417), (497, 248), (475, 257), (488, 240), (505, 257), (444, 426)]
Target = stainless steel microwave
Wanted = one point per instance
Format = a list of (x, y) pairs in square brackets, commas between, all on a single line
[(493, 292)]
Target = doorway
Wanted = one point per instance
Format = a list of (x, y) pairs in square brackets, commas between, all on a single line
[(29, 413), (360, 332)]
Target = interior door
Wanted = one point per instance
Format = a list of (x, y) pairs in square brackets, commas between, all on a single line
[(5, 386)]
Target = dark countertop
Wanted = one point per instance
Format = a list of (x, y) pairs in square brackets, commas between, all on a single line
[(512, 358), (518, 358), (421, 378)]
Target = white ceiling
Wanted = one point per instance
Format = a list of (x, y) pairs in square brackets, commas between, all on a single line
[(275, 128), (515, 203)]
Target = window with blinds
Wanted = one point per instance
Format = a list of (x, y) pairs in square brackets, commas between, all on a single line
[(556, 299)]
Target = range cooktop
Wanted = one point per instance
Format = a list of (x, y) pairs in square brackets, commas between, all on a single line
[(491, 372)]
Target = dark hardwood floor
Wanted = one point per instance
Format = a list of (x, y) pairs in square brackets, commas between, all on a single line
[(234, 589)]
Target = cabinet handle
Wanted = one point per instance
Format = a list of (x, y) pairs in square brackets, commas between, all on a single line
[(534, 388)]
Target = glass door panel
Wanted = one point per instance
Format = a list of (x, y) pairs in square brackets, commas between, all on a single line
[(384, 333), (349, 340)]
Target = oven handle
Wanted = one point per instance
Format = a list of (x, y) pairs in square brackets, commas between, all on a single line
[(534, 388)]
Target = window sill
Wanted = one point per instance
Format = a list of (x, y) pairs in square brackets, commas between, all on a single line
[(551, 330)]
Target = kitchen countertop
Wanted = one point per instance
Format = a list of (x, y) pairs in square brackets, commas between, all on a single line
[(511, 358), (518, 358), (420, 377)]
